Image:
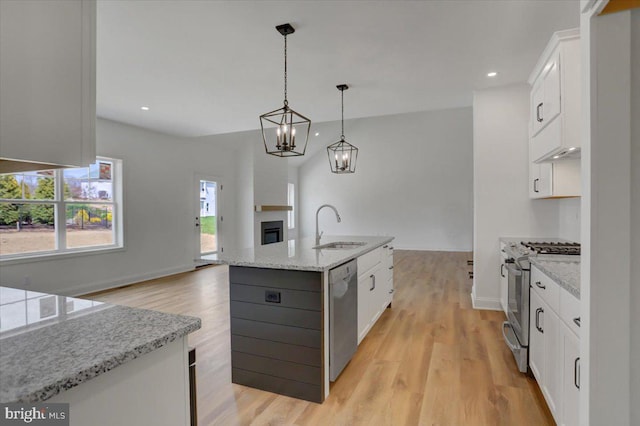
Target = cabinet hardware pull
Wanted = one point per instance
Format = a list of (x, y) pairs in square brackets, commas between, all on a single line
[(390, 267), (538, 312), (373, 283), (391, 248), (538, 115), (576, 373), (502, 271), (535, 185), (385, 246), (577, 321), (540, 285), (391, 291)]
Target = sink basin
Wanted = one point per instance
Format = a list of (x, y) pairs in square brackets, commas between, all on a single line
[(340, 245)]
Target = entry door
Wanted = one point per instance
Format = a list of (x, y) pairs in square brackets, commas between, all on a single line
[(208, 219)]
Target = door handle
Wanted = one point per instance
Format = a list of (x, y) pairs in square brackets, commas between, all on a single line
[(540, 285), (502, 270), (373, 282), (576, 373), (539, 117), (538, 312), (535, 185)]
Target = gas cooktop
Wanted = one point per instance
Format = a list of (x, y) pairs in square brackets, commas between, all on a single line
[(572, 249)]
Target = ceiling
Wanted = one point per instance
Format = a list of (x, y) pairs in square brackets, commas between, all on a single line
[(211, 67)]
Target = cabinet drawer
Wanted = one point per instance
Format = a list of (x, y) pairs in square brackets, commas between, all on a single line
[(570, 310), (548, 289), (369, 260)]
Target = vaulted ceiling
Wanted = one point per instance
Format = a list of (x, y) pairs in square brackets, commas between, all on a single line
[(211, 67)]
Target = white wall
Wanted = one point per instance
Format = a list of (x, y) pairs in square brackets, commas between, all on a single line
[(502, 207), (160, 204), (635, 217), (413, 180), (569, 219)]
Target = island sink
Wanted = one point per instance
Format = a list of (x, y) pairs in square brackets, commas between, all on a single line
[(340, 245)]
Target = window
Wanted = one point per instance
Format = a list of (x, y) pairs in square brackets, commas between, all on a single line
[(60, 211), (291, 200)]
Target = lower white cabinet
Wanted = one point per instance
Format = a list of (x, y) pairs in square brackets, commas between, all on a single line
[(554, 347), (544, 355), (504, 280), (375, 285), (570, 377)]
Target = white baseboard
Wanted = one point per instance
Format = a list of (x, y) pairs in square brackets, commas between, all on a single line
[(122, 281), (485, 303)]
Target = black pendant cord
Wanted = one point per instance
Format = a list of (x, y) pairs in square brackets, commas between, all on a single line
[(342, 102), (285, 70)]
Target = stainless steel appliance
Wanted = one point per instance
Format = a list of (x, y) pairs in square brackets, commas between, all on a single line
[(516, 329), (343, 316)]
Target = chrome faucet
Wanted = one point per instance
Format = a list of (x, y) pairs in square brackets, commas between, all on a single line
[(318, 235)]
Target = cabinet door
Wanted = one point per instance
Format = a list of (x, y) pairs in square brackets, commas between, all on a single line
[(536, 337), (553, 364), (364, 306), (540, 180), (571, 377), (551, 107), (47, 80), (537, 104)]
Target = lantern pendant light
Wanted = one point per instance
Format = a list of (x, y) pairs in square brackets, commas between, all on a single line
[(285, 132), (342, 155)]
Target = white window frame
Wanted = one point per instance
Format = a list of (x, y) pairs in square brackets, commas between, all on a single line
[(291, 200), (60, 205)]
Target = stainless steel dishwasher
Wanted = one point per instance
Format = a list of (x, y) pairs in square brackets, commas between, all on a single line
[(343, 316)]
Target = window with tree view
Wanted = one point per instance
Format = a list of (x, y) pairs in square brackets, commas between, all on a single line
[(60, 211)]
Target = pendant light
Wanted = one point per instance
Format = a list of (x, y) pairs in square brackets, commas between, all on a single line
[(342, 155), (285, 132)]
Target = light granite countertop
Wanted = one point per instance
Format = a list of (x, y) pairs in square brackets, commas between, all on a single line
[(564, 270), (298, 254), (50, 343)]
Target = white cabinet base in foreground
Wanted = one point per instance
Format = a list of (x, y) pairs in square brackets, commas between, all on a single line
[(150, 390)]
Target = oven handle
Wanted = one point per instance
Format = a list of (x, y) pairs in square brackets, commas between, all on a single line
[(506, 339), (513, 269)]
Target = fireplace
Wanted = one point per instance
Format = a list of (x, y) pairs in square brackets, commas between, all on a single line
[(272, 232)]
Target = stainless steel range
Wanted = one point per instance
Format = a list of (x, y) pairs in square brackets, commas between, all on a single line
[(516, 329)]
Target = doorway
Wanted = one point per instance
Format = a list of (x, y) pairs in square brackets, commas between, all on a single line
[(207, 221)]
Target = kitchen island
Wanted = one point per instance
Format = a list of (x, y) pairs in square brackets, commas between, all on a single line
[(280, 308), (113, 364)]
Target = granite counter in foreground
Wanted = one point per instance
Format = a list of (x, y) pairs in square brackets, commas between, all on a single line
[(49, 344), (298, 254)]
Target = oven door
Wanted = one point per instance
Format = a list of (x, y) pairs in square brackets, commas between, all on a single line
[(518, 303)]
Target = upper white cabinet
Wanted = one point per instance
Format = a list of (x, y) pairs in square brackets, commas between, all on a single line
[(48, 81), (555, 99), (555, 180)]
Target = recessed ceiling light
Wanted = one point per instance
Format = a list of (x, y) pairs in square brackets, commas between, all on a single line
[(492, 74), (317, 133), (556, 156), (144, 108), (573, 148)]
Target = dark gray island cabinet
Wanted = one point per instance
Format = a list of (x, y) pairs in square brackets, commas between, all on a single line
[(277, 331), (281, 310)]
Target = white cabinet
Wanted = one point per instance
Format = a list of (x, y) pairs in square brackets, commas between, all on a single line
[(570, 377), (555, 98), (554, 348), (555, 180), (48, 81), (544, 358), (545, 95), (375, 285)]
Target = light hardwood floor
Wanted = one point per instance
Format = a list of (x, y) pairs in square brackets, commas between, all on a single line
[(430, 360)]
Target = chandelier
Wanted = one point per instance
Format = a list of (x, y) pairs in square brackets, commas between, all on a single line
[(281, 127), (342, 155)]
